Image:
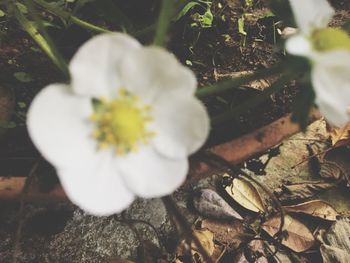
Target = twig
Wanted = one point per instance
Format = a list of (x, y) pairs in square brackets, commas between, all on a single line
[(185, 228)]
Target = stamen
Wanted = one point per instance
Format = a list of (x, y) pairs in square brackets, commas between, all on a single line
[(121, 123)]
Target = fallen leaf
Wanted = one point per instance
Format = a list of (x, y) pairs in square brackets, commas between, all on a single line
[(316, 208), (229, 234), (256, 252), (245, 194), (340, 136), (301, 191), (211, 204), (205, 237), (335, 247), (298, 238)]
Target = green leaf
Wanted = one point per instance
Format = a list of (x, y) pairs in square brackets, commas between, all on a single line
[(22, 104), (2, 13), (23, 77), (22, 8), (185, 9), (241, 26)]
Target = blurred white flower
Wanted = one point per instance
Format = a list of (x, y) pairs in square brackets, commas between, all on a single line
[(124, 127), (328, 49)]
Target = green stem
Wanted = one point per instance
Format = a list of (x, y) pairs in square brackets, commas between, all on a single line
[(256, 100), (68, 17), (239, 81), (44, 42), (164, 19)]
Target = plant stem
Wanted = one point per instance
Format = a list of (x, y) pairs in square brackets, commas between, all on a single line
[(248, 104), (43, 40), (67, 16), (239, 81), (164, 19)]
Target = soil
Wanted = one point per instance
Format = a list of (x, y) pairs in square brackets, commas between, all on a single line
[(212, 53)]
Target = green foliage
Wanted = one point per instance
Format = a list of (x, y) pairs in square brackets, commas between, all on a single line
[(23, 77), (2, 13)]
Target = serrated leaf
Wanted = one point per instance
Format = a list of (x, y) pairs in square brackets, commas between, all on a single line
[(316, 208), (298, 237), (245, 194), (211, 204), (340, 136)]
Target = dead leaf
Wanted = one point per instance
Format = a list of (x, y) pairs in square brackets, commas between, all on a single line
[(205, 237), (316, 208), (245, 194), (256, 252), (211, 204), (229, 234), (336, 243), (340, 136), (301, 191), (298, 238)]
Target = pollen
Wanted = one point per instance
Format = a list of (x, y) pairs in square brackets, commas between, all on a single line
[(121, 123), (330, 38)]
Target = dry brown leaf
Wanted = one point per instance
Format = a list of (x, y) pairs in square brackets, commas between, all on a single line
[(340, 136), (256, 249), (298, 238), (316, 208), (211, 204), (245, 194), (230, 234), (335, 247), (205, 237), (301, 191)]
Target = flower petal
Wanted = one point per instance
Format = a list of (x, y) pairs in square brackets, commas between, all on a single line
[(331, 81), (96, 186), (149, 70), (58, 125), (298, 45), (181, 125), (311, 14), (148, 174), (94, 68)]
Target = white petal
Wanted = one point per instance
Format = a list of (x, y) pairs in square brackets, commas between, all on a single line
[(331, 81), (298, 45), (150, 70), (181, 124), (96, 186), (95, 67), (58, 125), (311, 14), (148, 174)]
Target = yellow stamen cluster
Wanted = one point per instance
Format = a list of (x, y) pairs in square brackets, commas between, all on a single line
[(330, 38), (121, 123)]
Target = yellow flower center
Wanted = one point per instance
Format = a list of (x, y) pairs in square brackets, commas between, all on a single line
[(330, 38), (121, 123)]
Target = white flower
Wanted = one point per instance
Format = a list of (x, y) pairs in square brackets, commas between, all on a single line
[(124, 127), (328, 49)]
